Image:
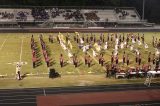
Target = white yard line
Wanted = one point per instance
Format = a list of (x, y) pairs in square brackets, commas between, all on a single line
[(93, 57), (20, 57), (3, 44)]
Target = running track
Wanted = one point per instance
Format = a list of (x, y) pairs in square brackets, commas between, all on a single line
[(27, 97)]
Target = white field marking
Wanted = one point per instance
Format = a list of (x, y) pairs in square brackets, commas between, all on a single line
[(69, 72), (14, 63), (20, 57), (90, 72), (3, 44), (44, 92), (93, 57)]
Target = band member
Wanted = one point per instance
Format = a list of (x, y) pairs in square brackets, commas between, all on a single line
[(107, 70), (33, 53), (67, 37), (153, 41), (58, 39), (149, 57), (18, 74), (112, 58), (155, 44), (99, 58), (75, 61), (32, 36), (91, 38), (136, 58), (47, 61), (157, 64), (139, 59), (32, 39), (102, 61), (75, 38), (124, 57), (85, 58), (127, 60), (123, 37), (61, 60), (111, 38), (83, 37), (153, 59), (158, 44), (135, 38), (117, 59), (103, 39), (127, 40), (34, 62), (120, 40), (143, 38), (89, 61), (116, 36)]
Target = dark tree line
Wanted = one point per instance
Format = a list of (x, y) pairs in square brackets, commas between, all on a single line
[(152, 8)]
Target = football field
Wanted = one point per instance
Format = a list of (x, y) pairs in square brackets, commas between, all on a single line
[(16, 47)]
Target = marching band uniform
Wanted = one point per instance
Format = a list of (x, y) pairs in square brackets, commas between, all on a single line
[(61, 60), (102, 61), (139, 60), (85, 59), (89, 61), (117, 59), (127, 60)]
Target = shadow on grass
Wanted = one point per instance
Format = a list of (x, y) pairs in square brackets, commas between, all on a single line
[(24, 75), (37, 49), (52, 62), (93, 64), (38, 63), (38, 55), (65, 64), (80, 64)]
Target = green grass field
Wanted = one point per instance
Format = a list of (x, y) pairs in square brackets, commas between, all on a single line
[(16, 46)]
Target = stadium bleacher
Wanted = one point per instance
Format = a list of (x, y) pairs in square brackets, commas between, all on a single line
[(65, 14)]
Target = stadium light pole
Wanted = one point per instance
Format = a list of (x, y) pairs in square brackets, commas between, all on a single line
[(143, 9)]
